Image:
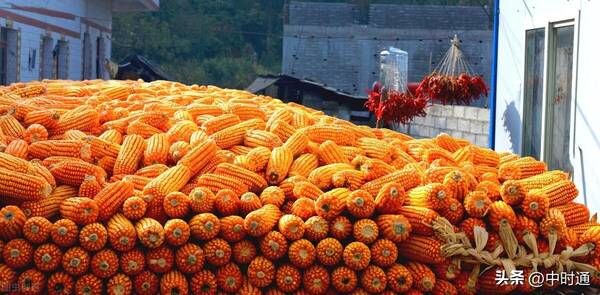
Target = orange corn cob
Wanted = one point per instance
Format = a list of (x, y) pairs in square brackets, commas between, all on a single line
[(420, 219), (119, 284), (365, 230), (18, 148), (49, 206), (487, 283), (229, 278), (181, 131), (146, 283), (351, 179), (104, 263), (258, 158), (521, 168), (73, 173), (23, 186), (447, 142), (177, 232), (329, 153), (302, 253), (303, 208), (232, 228), (373, 168), (246, 111), (468, 225), (31, 281), (93, 237), (514, 191), (134, 208), (17, 253), (340, 227), (384, 253), (121, 233), (332, 203), (559, 193), (357, 256), (227, 202), (315, 280), (76, 261), (111, 198), (535, 206), (261, 272), (478, 156), (390, 198), (344, 279), (178, 150), (35, 132), (189, 258), (111, 135), (282, 129), (81, 210), (500, 213), (291, 226), (174, 282), (400, 278), (373, 279), (329, 251), (89, 187), (317, 228), (66, 148), (525, 226), (160, 260), (254, 181), (150, 232), (88, 284), (394, 227), (46, 118), (201, 200), (423, 278), (64, 232), (157, 149), (220, 122), (36, 229), (273, 246), (322, 176), (256, 138), (47, 257), (204, 226), (203, 282), (259, 222), (240, 149), (477, 204), (152, 171), (11, 127), (61, 283), (421, 249), (176, 204), (574, 213), (457, 182), (305, 189), (73, 135), (141, 129), (446, 270), (553, 223), (288, 278), (130, 154), (12, 220)]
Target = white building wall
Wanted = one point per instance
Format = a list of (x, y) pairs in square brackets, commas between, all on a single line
[(515, 18), (90, 15)]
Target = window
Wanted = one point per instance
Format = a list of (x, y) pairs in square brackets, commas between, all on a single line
[(8, 56), (46, 69), (61, 59), (533, 90), (559, 98), (3, 55)]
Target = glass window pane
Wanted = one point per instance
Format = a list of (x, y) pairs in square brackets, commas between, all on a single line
[(533, 88), (559, 99)]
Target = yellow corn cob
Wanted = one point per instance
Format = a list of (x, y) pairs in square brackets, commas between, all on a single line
[(234, 135), (259, 222), (111, 197), (282, 114), (338, 134), (434, 196), (331, 204), (478, 156), (169, 181), (513, 191), (141, 129), (279, 164), (240, 149), (216, 182), (446, 142), (246, 112), (256, 138), (297, 142), (221, 122), (553, 223), (420, 219), (197, 137), (376, 148), (405, 177), (112, 135), (258, 158), (73, 172), (102, 148), (11, 127), (330, 152), (521, 168), (130, 155), (282, 129), (322, 176), (85, 120), (351, 179)]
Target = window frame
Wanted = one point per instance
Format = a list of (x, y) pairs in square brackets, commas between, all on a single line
[(549, 23)]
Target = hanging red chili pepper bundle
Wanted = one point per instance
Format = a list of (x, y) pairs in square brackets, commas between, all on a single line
[(398, 107)]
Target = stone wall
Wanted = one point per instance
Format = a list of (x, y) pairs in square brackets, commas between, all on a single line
[(470, 123)]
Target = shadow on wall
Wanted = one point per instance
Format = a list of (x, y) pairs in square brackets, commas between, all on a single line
[(511, 120)]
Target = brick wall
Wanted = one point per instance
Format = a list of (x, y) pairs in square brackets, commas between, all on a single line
[(466, 122)]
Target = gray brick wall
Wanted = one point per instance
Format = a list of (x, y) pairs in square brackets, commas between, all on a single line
[(322, 44), (470, 123)]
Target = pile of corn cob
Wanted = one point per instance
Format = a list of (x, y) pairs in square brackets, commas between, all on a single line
[(147, 188)]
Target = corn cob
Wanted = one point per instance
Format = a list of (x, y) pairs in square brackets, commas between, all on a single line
[(258, 158), (150, 232), (335, 133), (157, 149), (177, 232), (297, 142), (234, 135), (423, 277), (88, 284), (322, 176), (433, 196), (75, 261), (259, 222), (229, 278), (11, 127), (288, 278), (340, 227), (130, 155), (18, 148), (256, 138), (302, 253), (254, 181), (146, 283), (199, 156), (141, 129), (420, 219), (31, 281), (46, 118), (272, 195), (273, 246), (395, 228), (357, 256), (487, 283), (105, 264), (558, 193), (47, 257), (35, 132), (390, 198), (111, 198), (64, 233), (513, 191), (23, 186), (220, 122), (421, 249), (282, 129), (407, 178), (204, 226), (93, 237), (152, 171), (73, 172), (61, 281), (181, 131), (521, 168), (227, 202), (246, 112), (121, 233), (36, 229), (332, 203), (553, 223), (12, 220), (574, 213), (279, 165), (169, 181), (66, 148), (344, 279), (329, 153), (72, 135), (500, 213), (81, 210), (400, 278)]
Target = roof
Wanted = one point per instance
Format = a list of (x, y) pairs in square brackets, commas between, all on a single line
[(137, 65), (264, 81)]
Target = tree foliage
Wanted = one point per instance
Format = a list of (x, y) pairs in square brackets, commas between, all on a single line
[(221, 42)]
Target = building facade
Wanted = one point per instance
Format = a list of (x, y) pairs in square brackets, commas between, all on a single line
[(58, 39), (546, 87), (338, 44)]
